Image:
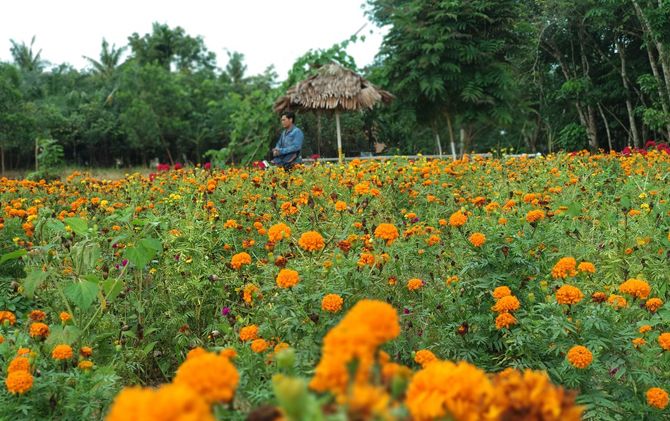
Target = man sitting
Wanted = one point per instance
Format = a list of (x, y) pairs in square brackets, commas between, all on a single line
[(287, 150)]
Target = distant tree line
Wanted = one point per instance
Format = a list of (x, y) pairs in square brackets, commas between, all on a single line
[(468, 76)]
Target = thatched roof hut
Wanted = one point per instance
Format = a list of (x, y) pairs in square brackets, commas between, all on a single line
[(333, 88)]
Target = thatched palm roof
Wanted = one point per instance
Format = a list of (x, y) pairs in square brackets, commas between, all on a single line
[(332, 88)]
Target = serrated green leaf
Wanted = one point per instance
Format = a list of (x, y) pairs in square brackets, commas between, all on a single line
[(33, 281), (78, 225), (82, 293)]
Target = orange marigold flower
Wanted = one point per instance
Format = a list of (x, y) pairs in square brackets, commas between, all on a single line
[(249, 333), (580, 356), (280, 347), (239, 260), (386, 232), (311, 241), (195, 352), (644, 329), (332, 303), (7, 316), (278, 232), (85, 351), (567, 294), (501, 291), (477, 239), (457, 219), (287, 278), (505, 320), (653, 304), (534, 216), (212, 376), (2, 339), (507, 304), (169, 402), (444, 389), (565, 267), (340, 206), (636, 287), (598, 297), (37, 316), (617, 301), (248, 293), (414, 284), (423, 357), (85, 365), (23, 351), (64, 316), (19, 364), (228, 353), (39, 329), (638, 342), (259, 345), (664, 341), (62, 352), (657, 397), (586, 267), (19, 382)]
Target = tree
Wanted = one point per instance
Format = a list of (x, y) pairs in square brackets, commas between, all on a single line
[(25, 58), (109, 60)]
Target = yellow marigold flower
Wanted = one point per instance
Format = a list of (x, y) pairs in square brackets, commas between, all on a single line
[(37, 316), (638, 342), (586, 267), (212, 376), (7, 316), (85, 365), (477, 239), (239, 260), (636, 287), (457, 219), (423, 357), (531, 393), (259, 345), (332, 303), (278, 232), (19, 382), (249, 333), (62, 352), (534, 216), (311, 241), (386, 232), (501, 291), (287, 278), (38, 329), (340, 206), (580, 356), (567, 294), (653, 304), (444, 389), (19, 364), (64, 316), (617, 301), (506, 304), (657, 397), (505, 320), (565, 267), (664, 341), (414, 284), (644, 329)]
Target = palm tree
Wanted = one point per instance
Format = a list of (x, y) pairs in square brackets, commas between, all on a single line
[(109, 60), (25, 58)]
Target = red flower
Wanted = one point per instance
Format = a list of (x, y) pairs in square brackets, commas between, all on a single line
[(626, 151), (207, 165), (178, 166)]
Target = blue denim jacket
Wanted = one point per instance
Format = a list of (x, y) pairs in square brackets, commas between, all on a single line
[(290, 141)]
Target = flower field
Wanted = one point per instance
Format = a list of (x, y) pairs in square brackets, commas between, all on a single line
[(478, 289)]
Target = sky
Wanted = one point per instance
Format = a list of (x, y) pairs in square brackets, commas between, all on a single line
[(266, 32)]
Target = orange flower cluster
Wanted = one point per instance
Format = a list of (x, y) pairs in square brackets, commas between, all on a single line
[(248, 293), (311, 241), (278, 232), (636, 287), (169, 402), (457, 219), (567, 294), (580, 356), (62, 352), (617, 301), (423, 357), (653, 304), (332, 303), (501, 291), (239, 260), (259, 345), (586, 267), (566, 266), (287, 278), (249, 333), (477, 239), (414, 284), (657, 397), (37, 315), (386, 232), (365, 327), (506, 304), (213, 377), (535, 215), (664, 341), (39, 330), (8, 317)]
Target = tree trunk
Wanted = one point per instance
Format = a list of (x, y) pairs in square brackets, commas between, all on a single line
[(592, 129), (629, 103), (2, 158), (451, 135), (318, 132), (607, 127), (437, 139)]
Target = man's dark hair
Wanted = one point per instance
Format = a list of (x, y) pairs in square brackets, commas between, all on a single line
[(289, 114)]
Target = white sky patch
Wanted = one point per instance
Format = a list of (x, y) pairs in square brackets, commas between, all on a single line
[(266, 32)]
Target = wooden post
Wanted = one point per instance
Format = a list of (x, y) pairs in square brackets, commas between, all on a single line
[(340, 155)]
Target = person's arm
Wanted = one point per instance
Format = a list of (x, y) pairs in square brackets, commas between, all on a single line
[(292, 142)]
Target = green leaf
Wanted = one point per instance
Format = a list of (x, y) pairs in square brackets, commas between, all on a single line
[(82, 293), (33, 281), (149, 347), (574, 209), (151, 243), (112, 288), (62, 335), (143, 252), (12, 255), (78, 225)]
